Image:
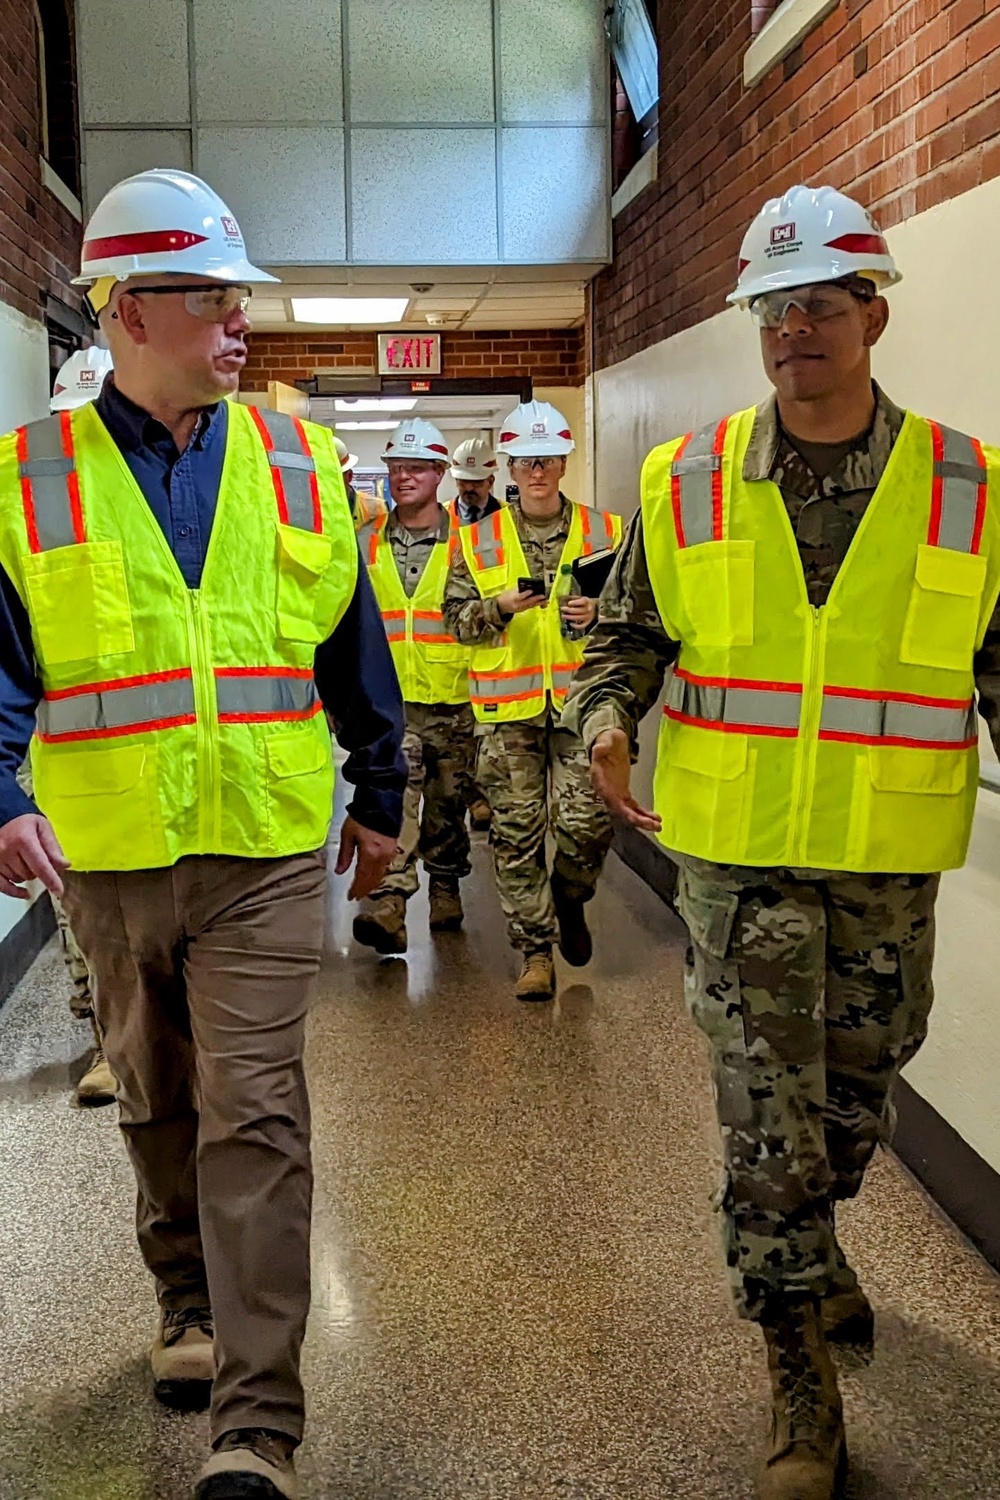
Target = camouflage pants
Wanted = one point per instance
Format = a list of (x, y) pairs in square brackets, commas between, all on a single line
[(535, 776), (438, 745), (813, 990), (80, 999)]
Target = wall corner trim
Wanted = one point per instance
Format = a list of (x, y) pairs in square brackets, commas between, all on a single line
[(793, 20), (640, 177), (58, 189)]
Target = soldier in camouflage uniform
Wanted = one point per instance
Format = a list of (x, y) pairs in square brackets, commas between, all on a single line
[(438, 741), (812, 986)]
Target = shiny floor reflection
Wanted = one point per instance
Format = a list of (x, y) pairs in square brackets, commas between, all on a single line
[(517, 1284)]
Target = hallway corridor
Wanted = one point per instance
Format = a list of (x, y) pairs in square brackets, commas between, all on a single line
[(518, 1291)]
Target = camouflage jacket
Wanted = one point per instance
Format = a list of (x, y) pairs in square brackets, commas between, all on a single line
[(629, 651), (412, 550)]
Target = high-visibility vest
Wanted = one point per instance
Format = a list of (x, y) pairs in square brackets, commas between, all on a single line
[(431, 665), (534, 663), (836, 738), (178, 721)]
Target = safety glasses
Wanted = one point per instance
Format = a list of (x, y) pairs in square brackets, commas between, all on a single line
[(528, 465), (209, 301), (817, 303)]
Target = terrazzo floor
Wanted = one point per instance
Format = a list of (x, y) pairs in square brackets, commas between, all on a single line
[(518, 1292)]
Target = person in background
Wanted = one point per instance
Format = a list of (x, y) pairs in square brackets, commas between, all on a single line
[(347, 462), (181, 600), (821, 573), (511, 597), (407, 553)]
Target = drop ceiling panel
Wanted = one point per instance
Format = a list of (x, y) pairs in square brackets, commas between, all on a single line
[(291, 52), (420, 61)]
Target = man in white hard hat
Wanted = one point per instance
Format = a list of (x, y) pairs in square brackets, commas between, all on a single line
[(822, 574), (347, 462), (513, 598), (407, 553), (181, 600)]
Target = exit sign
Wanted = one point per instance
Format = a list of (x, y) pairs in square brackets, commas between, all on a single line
[(400, 352)]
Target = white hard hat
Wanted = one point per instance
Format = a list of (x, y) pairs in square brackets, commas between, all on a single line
[(158, 223), (535, 429), (810, 235), (80, 379), (347, 459), (474, 459), (416, 438)]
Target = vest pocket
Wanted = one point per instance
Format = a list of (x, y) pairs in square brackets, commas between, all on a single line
[(716, 582), (450, 666), (92, 796), (299, 772), (303, 558), (701, 791), (911, 809), (78, 602), (942, 618)]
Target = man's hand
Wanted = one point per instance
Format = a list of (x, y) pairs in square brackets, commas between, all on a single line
[(579, 611), (516, 601), (375, 853), (29, 850), (611, 773)]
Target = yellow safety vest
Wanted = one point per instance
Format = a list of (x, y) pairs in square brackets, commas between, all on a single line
[(178, 721), (431, 665), (836, 738), (534, 660)]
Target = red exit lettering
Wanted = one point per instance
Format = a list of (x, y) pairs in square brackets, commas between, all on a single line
[(410, 353)]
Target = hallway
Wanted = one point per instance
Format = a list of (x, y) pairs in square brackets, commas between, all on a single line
[(518, 1292)]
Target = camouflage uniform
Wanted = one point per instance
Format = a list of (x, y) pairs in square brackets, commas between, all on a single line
[(534, 772), (80, 999), (438, 745), (812, 987)]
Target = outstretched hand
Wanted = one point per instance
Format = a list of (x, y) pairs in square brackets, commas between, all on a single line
[(375, 852), (611, 774)]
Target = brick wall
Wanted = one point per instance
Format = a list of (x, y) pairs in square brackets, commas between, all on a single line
[(39, 239), (550, 357), (894, 101)]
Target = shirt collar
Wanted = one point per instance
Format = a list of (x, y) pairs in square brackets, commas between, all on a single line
[(766, 436), (133, 429), (444, 527), (559, 523)]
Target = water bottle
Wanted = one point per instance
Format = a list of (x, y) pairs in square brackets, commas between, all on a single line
[(570, 632)]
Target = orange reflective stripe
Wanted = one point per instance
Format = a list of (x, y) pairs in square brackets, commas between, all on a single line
[(50, 485), (489, 550), (696, 486), (958, 491), (587, 516), (293, 469)]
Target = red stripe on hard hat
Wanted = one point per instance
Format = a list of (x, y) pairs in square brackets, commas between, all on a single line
[(437, 448), (859, 244), (566, 434), (743, 266), (142, 244), (507, 437)]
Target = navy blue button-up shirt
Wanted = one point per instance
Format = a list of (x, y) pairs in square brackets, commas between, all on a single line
[(355, 677)]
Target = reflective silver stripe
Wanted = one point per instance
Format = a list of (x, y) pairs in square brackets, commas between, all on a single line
[(562, 678), (756, 708), (693, 472), (116, 708), (294, 465), (878, 718), (487, 548), (48, 468), (961, 475), (265, 695), (395, 629), (422, 626), (484, 686)]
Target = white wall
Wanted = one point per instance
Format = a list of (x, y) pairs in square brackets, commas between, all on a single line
[(939, 356), (355, 131), (24, 396)]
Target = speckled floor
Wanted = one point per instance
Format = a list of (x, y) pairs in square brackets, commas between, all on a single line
[(517, 1290)]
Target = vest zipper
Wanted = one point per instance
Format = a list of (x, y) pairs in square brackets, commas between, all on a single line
[(207, 731), (812, 712)]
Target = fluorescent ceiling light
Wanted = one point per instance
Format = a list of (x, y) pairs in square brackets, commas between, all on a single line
[(349, 309), (381, 403), (365, 426)]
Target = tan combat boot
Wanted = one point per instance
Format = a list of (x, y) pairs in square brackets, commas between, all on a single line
[(381, 924), (97, 1086), (807, 1458), (849, 1324), (250, 1463), (479, 816), (182, 1359), (446, 906), (538, 978)]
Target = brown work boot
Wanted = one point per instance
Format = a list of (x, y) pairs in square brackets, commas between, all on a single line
[(847, 1317), (250, 1464), (538, 977), (446, 906), (479, 816), (807, 1457), (97, 1086), (182, 1359), (381, 924), (575, 943)]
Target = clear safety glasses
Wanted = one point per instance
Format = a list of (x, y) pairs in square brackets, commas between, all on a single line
[(210, 301), (817, 303), (413, 468), (528, 465)]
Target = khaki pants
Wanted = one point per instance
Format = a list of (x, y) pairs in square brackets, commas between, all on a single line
[(201, 978)]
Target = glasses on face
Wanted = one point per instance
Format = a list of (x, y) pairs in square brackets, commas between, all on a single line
[(209, 301), (528, 465), (413, 469), (817, 303)]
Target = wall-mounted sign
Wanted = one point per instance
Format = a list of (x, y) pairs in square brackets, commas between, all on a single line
[(400, 352)]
